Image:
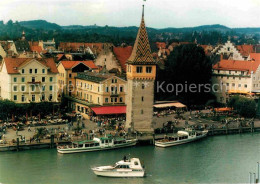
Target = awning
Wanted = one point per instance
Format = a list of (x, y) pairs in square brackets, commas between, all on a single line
[(109, 110), (223, 109), (175, 104), (238, 91)]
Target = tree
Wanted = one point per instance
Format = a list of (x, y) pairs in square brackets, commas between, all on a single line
[(188, 70), (245, 107)]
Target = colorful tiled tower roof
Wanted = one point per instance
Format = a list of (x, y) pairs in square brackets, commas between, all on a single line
[(141, 53)]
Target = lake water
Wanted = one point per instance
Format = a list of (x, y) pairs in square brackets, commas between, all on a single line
[(219, 159)]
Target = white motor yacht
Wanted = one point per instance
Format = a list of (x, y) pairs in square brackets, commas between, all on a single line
[(124, 168)]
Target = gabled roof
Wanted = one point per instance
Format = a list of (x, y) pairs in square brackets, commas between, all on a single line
[(22, 45), (237, 65), (70, 64), (141, 53), (37, 49), (122, 54), (12, 64), (254, 56), (245, 49)]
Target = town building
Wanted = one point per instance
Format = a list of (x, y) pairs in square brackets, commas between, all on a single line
[(49, 45), (68, 71), (232, 51), (25, 80), (141, 72), (95, 91), (235, 77)]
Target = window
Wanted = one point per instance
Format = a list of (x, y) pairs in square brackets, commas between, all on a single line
[(233, 77), (22, 88), (107, 89), (43, 79), (70, 75), (142, 98), (15, 88), (23, 79), (121, 89), (115, 100), (35, 70), (98, 88), (22, 70), (15, 79), (43, 70), (229, 72), (30, 70), (33, 79), (70, 82), (50, 97), (106, 100), (228, 48), (242, 73), (121, 99), (142, 111), (233, 84), (98, 99), (15, 97), (50, 88), (33, 98), (148, 69), (245, 85), (112, 100), (43, 88), (142, 86), (50, 79), (139, 69), (43, 97), (239, 85), (32, 87), (22, 98)]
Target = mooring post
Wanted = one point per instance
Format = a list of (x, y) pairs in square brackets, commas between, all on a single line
[(254, 178), (52, 141), (17, 144)]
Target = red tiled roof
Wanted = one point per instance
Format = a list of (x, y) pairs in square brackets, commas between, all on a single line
[(33, 43), (36, 49), (109, 110), (59, 56), (245, 49), (160, 45), (122, 54), (12, 64), (255, 56), (71, 64), (237, 65)]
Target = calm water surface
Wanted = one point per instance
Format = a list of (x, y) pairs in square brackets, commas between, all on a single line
[(220, 159)]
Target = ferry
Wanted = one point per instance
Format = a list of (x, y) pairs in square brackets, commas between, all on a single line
[(97, 144), (124, 168), (182, 137)]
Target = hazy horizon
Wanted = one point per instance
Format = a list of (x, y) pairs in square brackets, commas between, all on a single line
[(126, 13)]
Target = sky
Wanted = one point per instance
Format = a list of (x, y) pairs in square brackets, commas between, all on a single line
[(158, 13)]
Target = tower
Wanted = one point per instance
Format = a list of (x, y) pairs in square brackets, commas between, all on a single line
[(23, 35), (141, 72)]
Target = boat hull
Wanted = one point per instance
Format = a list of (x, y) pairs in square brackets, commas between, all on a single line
[(175, 143), (98, 148), (120, 174)]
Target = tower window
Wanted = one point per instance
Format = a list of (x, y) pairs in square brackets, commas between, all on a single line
[(142, 86), (148, 69), (142, 98), (139, 69), (142, 111)]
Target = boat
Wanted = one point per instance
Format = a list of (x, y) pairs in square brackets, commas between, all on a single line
[(97, 144), (182, 137), (124, 168)]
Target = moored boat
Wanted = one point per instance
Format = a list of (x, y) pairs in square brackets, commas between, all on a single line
[(124, 168), (182, 137), (97, 144)]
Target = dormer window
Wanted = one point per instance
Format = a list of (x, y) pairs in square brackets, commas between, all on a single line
[(43, 70), (139, 69), (22, 70)]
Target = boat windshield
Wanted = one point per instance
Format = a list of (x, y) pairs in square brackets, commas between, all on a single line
[(122, 166)]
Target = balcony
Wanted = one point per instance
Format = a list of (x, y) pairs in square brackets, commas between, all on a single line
[(34, 82), (114, 94)]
